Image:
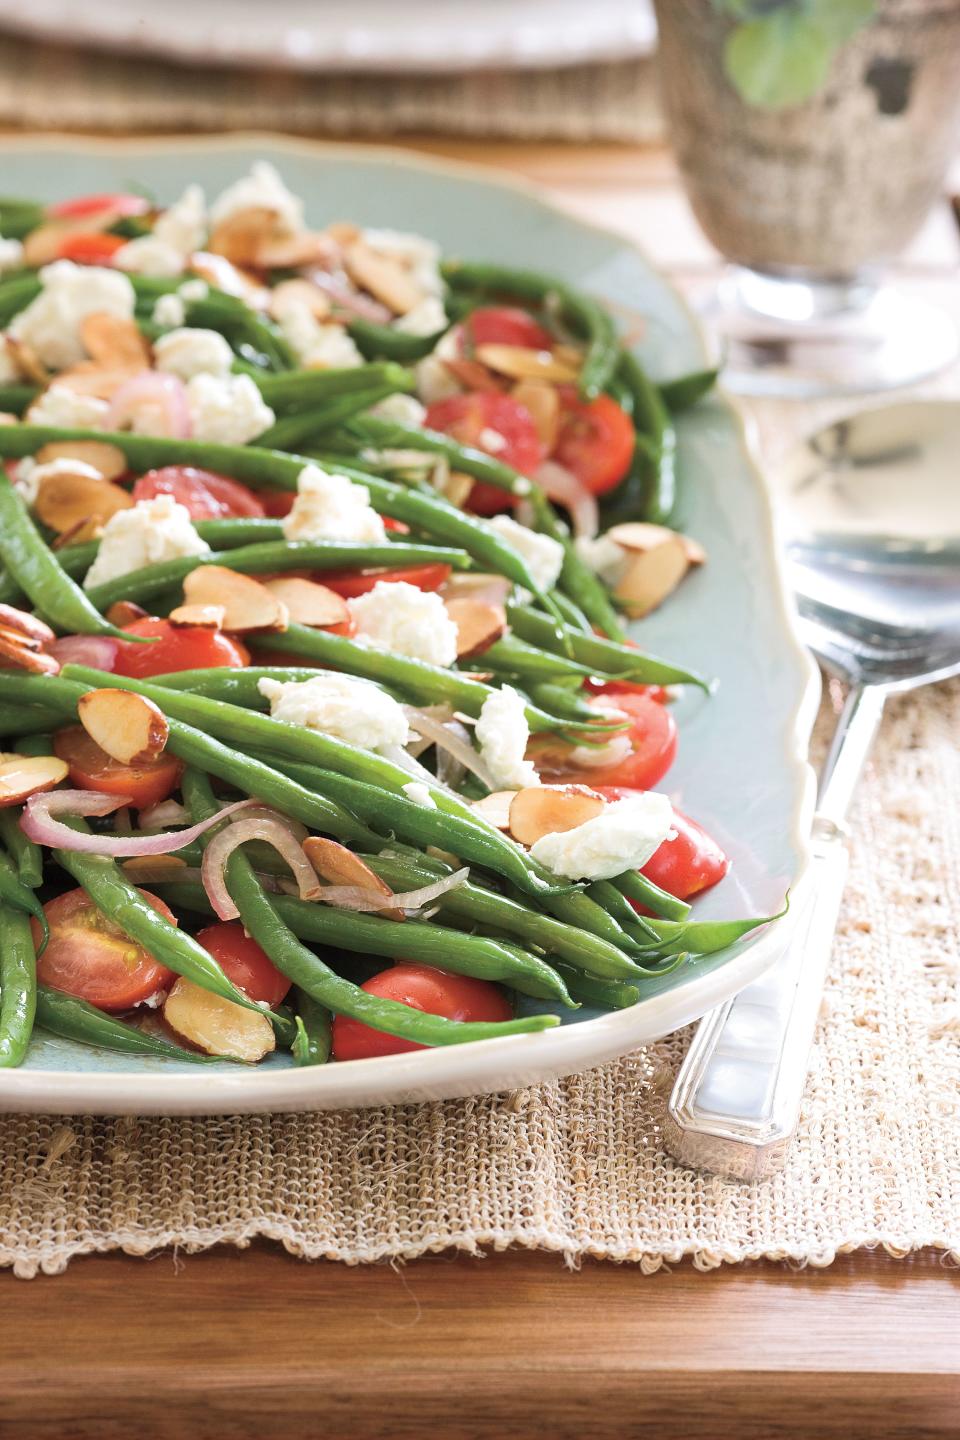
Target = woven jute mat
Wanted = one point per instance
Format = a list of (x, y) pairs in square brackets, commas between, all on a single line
[(45, 87), (577, 1167)]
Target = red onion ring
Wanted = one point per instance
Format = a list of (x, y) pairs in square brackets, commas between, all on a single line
[(270, 827), (160, 391), (38, 824), (560, 484), (453, 744), (361, 899), (97, 651)]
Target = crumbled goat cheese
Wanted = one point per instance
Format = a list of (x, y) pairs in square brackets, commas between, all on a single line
[(426, 318), (50, 324), (400, 618), (317, 346), (420, 256), (262, 189), (418, 792), (331, 507), (59, 405), (152, 531), (149, 255), (622, 837), (227, 409), (178, 232), (603, 556), (404, 409), (341, 706), (11, 255), (186, 352), (502, 733), (170, 310), (434, 380), (195, 289), (24, 481), (542, 555)]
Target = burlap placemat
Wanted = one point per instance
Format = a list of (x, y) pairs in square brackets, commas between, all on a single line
[(577, 1167), (43, 87)]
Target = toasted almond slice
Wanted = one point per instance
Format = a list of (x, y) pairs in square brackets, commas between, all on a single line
[(543, 404), (546, 809), (198, 617), (89, 378), (302, 294), (79, 534), (247, 603), (114, 341), (337, 865), (521, 363), (217, 1026), (455, 487), (640, 536), (343, 232), (292, 251), (19, 620), (495, 808), (28, 363), (64, 499), (43, 244), (652, 575), (21, 641), (14, 650), (569, 355), (108, 460), (24, 775), (127, 726), (147, 869), (309, 602), (382, 276), (222, 274), (245, 232), (478, 624), (124, 612), (472, 375)]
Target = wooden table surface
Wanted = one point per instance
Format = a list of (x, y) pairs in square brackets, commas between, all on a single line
[(251, 1345)]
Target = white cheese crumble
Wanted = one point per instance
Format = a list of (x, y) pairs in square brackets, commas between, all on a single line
[(29, 480), (50, 324), (419, 793), (542, 555), (404, 409), (426, 318), (59, 405), (331, 507), (317, 346), (339, 705), (24, 481), (603, 556), (187, 352), (170, 310), (152, 531), (227, 409), (418, 254), (183, 225), (149, 255), (434, 381), (400, 618), (262, 189), (502, 733), (622, 837), (9, 369), (195, 289), (11, 255)]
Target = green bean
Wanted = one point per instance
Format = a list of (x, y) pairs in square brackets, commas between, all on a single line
[(650, 492), (557, 699), (581, 911), (38, 744), (36, 569), (601, 656), (593, 990), (514, 656), (292, 431), (587, 317), (226, 313), (571, 613), (393, 435), (27, 856), (14, 399), (18, 986), (18, 896), (576, 578), (377, 342), (21, 719), (16, 294), (706, 937), (312, 1045), (615, 904), (72, 1019), (19, 217), (684, 392), (293, 390), (238, 686), (637, 887)]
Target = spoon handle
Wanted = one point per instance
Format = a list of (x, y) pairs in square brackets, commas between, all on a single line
[(737, 1095)]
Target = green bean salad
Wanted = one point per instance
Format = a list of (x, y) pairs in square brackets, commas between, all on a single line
[(324, 733)]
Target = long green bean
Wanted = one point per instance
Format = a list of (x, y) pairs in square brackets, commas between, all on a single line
[(18, 985), (71, 1019)]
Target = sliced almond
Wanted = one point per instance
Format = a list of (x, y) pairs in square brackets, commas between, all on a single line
[(385, 278), (244, 233), (222, 274), (28, 363), (308, 602), (124, 612), (24, 775), (114, 341), (652, 575), (546, 809), (198, 617), (247, 603), (521, 363), (79, 534), (16, 650), (108, 460), (476, 585), (471, 374), (455, 487), (291, 251), (337, 865), (130, 728), (495, 808), (343, 232), (299, 293), (641, 536), (478, 624), (153, 869), (43, 244), (90, 378), (542, 402), (19, 620), (64, 499), (217, 1026)]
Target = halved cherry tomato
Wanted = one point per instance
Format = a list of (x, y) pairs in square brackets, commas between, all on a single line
[(147, 783), (496, 424), (660, 693), (90, 247), (243, 961), (505, 325), (653, 741), (207, 496), (458, 997), (183, 648), (595, 440), (686, 865), (276, 503), (351, 583), (121, 204), (90, 957)]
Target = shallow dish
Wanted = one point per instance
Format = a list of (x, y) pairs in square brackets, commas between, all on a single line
[(742, 767)]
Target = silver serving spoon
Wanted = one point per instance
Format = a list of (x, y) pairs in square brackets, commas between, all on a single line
[(870, 509)]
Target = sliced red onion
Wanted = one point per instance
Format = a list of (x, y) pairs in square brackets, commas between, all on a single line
[(160, 393), (39, 825), (97, 651), (362, 899), (268, 826), (560, 484), (343, 297), (451, 741)]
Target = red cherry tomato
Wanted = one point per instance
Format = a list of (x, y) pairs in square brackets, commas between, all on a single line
[(497, 424), (90, 957), (81, 206), (653, 742), (242, 961), (90, 247), (276, 503), (351, 583), (684, 866), (207, 496), (595, 440), (147, 783), (628, 687), (176, 649), (458, 997), (505, 325)]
